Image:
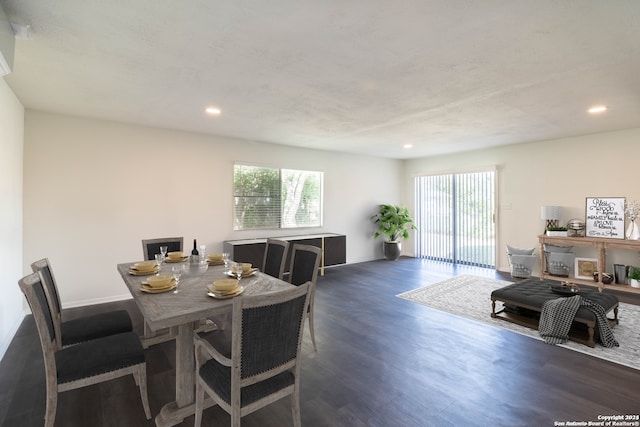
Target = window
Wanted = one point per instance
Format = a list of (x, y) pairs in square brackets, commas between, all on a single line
[(276, 198), (455, 218)]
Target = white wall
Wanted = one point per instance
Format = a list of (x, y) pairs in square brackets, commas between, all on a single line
[(562, 172), (11, 144), (94, 189)]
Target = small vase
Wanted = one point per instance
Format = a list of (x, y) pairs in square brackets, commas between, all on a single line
[(633, 232)]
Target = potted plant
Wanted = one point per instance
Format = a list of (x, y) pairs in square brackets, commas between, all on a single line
[(634, 277), (557, 231), (394, 222)]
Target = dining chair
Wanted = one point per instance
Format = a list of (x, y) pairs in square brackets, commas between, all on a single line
[(305, 262), (275, 257), (83, 364), (151, 247), (262, 364), (83, 329)]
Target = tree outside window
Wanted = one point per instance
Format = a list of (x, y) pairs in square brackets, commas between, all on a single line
[(270, 198)]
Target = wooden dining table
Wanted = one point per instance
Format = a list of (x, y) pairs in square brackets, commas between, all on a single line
[(183, 312)]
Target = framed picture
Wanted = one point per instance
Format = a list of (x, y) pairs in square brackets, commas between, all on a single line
[(585, 267), (604, 217)]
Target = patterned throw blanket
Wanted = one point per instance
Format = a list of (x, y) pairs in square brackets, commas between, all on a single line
[(558, 314)]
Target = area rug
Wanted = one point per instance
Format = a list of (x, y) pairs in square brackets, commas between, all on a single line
[(470, 297)]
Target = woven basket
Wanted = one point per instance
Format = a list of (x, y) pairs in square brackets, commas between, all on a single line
[(521, 265), (559, 264)]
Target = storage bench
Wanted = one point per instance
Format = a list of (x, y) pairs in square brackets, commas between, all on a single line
[(523, 301)]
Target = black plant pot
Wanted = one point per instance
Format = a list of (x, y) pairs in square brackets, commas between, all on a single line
[(392, 250)]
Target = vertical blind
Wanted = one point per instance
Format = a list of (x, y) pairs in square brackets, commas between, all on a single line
[(455, 218)]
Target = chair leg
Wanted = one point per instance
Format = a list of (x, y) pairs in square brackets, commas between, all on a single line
[(52, 405), (313, 335), (141, 378), (199, 403), (295, 408)]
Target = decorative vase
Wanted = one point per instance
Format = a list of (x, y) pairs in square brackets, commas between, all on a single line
[(620, 271), (633, 232), (392, 250), (634, 283)]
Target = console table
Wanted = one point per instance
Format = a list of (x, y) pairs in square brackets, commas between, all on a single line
[(601, 245), (333, 247)]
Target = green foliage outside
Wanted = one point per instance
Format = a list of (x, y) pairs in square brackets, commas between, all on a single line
[(257, 197), (273, 198)]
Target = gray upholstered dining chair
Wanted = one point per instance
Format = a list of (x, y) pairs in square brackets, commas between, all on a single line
[(151, 247), (305, 262), (83, 329), (83, 364), (263, 363), (275, 257)]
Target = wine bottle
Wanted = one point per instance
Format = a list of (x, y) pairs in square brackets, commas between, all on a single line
[(194, 253)]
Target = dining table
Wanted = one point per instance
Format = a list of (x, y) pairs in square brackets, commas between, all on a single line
[(183, 309)]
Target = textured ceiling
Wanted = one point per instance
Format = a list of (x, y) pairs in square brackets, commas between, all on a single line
[(355, 76)]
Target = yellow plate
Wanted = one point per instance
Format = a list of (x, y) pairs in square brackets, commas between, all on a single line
[(148, 289), (223, 285), (249, 274), (224, 295), (215, 262), (135, 272), (183, 259)]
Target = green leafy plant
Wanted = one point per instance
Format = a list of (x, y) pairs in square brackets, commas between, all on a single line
[(394, 222), (634, 273), (556, 228)]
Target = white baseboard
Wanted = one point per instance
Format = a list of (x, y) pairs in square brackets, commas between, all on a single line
[(83, 303)]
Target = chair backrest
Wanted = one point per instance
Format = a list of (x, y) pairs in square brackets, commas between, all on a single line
[(53, 297), (151, 247), (270, 334), (33, 289), (275, 256), (305, 262)]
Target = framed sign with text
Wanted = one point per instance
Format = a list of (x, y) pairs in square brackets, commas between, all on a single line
[(585, 267), (604, 217)]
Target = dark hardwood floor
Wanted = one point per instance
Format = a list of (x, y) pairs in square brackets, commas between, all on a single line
[(381, 361)]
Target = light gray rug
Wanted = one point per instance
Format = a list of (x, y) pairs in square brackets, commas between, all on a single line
[(470, 297)]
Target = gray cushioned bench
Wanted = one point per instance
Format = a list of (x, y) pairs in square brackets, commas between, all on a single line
[(522, 304)]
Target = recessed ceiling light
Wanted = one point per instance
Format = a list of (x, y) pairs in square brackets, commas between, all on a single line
[(597, 109), (407, 146), (213, 111)]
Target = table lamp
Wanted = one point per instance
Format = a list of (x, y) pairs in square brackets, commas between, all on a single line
[(551, 214)]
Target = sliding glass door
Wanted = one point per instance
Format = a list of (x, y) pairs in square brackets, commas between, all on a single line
[(455, 215)]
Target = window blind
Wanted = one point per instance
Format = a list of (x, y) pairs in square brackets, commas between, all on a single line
[(455, 218), (271, 198)]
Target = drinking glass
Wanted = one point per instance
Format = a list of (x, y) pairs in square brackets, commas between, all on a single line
[(159, 259), (203, 253), (163, 251), (176, 272), (238, 266), (225, 258)]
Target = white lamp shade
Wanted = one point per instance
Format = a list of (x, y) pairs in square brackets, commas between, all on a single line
[(551, 212)]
